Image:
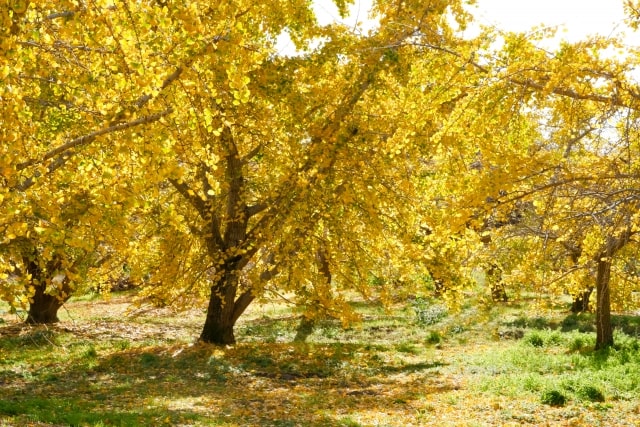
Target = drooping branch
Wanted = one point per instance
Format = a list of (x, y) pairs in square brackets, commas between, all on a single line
[(613, 100), (283, 202), (513, 197), (569, 93)]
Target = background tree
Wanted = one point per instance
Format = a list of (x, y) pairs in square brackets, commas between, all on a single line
[(573, 160), (52, 198)]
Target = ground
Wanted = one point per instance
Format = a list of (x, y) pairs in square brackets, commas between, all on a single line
[(415, 365)]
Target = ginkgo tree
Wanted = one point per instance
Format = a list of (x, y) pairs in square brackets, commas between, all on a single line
[(276, 162), (55, 217), (241, 171), (567, 154), (254, 165)]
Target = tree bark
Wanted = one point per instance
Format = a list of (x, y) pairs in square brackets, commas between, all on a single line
[(604, 330), (218, 327), (581, 301), (44, 308), (219, 324), (224, 309), (494, 277)]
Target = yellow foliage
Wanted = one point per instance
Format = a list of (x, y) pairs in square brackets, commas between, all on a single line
[(173, 136)]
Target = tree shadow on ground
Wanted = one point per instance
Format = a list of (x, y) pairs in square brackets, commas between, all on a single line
[(539, 323), (581, 322), (251, 384), (585, 322)]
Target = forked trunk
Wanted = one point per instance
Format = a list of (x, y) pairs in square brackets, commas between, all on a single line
[(604, 330), (224, 310), (44, 308)]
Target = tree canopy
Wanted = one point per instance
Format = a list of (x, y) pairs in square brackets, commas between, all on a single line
[(174, 138)]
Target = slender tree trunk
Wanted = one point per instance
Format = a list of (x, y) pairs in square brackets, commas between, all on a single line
[(308, 323), (494, 277), (604, 330), (304, 329)]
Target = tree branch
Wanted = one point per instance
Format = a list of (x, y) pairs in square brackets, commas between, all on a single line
[(256, 209), (251, 154), (241, 304), (64, 152), (190, 196), (89, 138), (530, 83)]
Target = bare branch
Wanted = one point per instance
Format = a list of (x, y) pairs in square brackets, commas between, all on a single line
[(256, 209), (251, 154), (530, 83), (64, 14), (612, 100), (241, 304)]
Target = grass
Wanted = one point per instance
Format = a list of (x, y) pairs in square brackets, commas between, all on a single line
[(416, 365)]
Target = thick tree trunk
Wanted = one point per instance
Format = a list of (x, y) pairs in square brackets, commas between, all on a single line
[(581, 301), (604, 330), (218, 327), (224, 310), (44, 308)]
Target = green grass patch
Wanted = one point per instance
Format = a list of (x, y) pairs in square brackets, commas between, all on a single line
[(495, 366), (553, 398)]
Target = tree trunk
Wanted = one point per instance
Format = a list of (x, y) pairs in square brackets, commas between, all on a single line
[(499, 293), (44, 308), (581, 301), (224, 310), (494, 277), (308, 322), (604, 330), (218, 327)]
